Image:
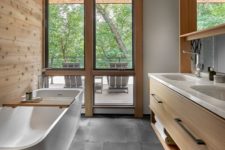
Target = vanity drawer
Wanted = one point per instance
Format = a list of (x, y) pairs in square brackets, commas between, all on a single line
[(167, 118), (201, 123), (158, 108)]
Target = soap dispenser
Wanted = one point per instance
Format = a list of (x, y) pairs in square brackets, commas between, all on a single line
[(211, 73)]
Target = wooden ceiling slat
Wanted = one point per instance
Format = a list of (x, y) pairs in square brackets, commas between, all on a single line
[(66, 1), (119, 1), (97, 1), (211, 1), (114, 1)]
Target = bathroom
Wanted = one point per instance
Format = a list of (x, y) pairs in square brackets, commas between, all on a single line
[(112, 74)]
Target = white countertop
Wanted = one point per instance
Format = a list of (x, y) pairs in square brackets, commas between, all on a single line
[(184, 88)]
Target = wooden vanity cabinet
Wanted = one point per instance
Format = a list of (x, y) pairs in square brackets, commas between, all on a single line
[(191, 126)]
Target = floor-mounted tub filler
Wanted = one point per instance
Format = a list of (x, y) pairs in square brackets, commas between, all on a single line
[(41, 128)]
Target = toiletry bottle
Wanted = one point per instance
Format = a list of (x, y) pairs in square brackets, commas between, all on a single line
[(28, 96), (211, 73), (29, 93)]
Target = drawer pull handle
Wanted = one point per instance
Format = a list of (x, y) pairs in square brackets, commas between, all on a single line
[(197, 141), (157, 100)]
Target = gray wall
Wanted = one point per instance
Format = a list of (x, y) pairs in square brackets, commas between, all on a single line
[(220, 53), (161, 30), (213, 53)]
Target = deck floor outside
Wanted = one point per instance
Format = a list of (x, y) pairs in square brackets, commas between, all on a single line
[(104, 97)]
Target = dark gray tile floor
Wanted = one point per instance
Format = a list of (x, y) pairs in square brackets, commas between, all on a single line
[(104, 133)]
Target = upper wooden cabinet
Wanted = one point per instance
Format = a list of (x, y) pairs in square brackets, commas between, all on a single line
[(188, 30)]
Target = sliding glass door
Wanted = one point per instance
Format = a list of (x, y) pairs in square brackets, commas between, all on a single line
[(113, 51), (114, 35)]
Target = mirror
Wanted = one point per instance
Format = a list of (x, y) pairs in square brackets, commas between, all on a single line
[(210, 13)]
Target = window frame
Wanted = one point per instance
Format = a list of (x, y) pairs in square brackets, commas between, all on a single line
[(88, 71)]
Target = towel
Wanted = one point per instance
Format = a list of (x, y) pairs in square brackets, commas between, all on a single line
[(163, 133)]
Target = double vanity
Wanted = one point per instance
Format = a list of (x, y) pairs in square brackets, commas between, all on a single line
[(191, 110)]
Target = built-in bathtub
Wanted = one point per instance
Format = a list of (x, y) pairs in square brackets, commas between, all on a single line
[(41, 128)]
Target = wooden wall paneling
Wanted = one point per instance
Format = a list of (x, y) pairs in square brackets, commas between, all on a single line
[(20, 59), (40, 4), (11, 81), (188, 23), (89, 44), (13, 92), (29, 9), (138, 54), (20, 47), (12, 29), (17, 13), (17, 81), (8, 47), (12, 71)]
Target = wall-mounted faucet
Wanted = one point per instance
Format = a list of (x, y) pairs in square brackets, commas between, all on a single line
[(197, 65)]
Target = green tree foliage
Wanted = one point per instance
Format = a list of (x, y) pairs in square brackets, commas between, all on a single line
[(66, 34), (210, 14), (113, 37)]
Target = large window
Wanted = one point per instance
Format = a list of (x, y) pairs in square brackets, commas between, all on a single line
[(114, 35), (106, 59), (210, 13), (65, 35)]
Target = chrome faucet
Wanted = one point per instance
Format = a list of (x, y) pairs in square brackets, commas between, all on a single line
[(198, 66)]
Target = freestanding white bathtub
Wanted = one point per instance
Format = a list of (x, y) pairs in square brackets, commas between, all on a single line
[(41, 128)]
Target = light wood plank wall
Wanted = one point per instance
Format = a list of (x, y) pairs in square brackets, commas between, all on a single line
[(20, 46)]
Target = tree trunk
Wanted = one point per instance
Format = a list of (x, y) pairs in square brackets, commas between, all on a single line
[(113, 29), (51, 61), (63, 50)]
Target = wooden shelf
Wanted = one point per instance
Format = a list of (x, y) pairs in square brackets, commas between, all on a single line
[(165, 146), (62, 102), (218, 30)]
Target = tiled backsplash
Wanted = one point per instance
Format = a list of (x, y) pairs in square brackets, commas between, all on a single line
[(213, 53)]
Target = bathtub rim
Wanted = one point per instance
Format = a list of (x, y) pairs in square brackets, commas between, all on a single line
[(55, 89), (58, 89)]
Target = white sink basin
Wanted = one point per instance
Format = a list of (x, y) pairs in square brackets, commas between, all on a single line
[(178, 77), (211, 90)]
